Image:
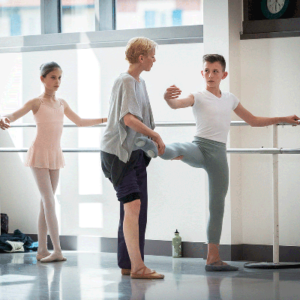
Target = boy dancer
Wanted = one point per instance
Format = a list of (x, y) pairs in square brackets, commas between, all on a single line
[(130, 116), (212, 109)]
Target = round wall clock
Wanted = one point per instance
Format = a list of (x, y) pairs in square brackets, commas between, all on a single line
[(274, 9)]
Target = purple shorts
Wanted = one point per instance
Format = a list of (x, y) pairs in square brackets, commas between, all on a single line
[(129, 188)]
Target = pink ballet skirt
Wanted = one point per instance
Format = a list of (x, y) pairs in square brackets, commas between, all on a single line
[(45, 151)]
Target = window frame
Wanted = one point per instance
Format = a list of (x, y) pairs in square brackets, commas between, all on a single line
[(105, 34)]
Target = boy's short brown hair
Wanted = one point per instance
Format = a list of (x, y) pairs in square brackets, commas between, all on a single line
[(215, 58), (138, 46)]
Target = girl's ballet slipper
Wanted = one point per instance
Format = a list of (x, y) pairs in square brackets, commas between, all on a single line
[(53, 258)]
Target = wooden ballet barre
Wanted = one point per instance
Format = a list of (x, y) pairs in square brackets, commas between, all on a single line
[(67, 150), (264, 150), (230, 150), (158, 124)]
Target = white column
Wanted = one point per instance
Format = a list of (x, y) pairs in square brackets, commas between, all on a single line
[(105, 14), (275, 199), (50, 16)]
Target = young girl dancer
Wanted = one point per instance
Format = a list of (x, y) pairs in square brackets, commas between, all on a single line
[(45, 156), (212, 109)]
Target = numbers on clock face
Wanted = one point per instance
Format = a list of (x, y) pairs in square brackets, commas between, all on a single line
[(275, 6)]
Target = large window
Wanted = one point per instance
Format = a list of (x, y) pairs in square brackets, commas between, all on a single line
[(133, 14), (20, 17), (24, 17), (78, 15)]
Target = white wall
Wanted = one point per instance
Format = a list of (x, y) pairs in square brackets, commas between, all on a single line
[(270, 87), (176, 191)]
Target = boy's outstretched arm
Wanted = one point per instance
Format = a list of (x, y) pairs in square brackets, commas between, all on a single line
[(171, 95), (254, 121)]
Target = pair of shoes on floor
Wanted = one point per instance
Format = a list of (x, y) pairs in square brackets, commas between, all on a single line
[(217, 267), (147, 145)]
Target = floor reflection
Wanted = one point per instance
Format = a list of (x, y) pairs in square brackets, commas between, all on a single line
[(49, 280), (96, 276), (214, 284), (136, 289)]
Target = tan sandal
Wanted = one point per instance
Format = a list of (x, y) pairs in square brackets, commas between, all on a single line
[(152, 275)]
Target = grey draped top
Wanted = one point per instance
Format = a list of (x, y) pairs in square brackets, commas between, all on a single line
[(128, 96)]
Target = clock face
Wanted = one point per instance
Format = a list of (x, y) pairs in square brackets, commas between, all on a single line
[(274, 9), (275, 6)]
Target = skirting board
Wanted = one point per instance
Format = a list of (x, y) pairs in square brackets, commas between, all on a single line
[(244, 252)]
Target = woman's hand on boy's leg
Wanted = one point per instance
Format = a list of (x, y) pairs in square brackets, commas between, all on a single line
[(160, 144)]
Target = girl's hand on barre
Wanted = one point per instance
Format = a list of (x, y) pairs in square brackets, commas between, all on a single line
[(292, 120), (4, 123)]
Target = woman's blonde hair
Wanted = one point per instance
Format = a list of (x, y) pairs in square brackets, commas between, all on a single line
[(138, 46)]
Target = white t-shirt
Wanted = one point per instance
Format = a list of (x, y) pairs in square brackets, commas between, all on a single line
[(213, 115)]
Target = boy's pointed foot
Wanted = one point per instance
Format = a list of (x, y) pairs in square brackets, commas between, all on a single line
[(147, 145)]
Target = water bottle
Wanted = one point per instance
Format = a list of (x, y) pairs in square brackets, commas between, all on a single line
[(176, 245)]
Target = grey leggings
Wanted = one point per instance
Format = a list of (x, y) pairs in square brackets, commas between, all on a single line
[(211, 156)]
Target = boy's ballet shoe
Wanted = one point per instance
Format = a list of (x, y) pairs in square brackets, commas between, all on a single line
[(147, 145), (219, 266)]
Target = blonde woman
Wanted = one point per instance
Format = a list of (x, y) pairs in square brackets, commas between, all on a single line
[(45, 157), (129, 117)]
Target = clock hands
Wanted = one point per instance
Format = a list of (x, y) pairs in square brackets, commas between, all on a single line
[(275, 6), (274, 9), (278, 4)]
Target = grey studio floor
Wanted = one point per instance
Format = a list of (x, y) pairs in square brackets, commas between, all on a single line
[(96, 276)]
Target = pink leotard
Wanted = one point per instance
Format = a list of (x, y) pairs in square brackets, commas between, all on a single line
[(45, 151)]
